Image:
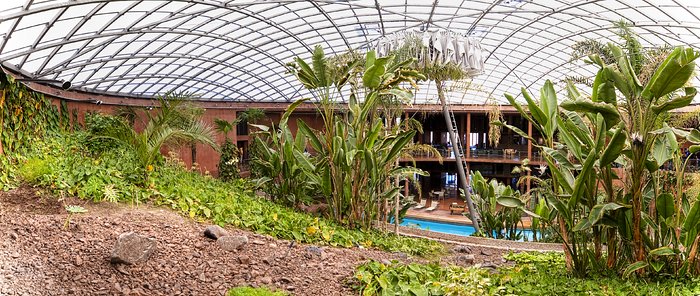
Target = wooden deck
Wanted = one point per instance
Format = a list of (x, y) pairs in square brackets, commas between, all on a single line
[(442, 213)]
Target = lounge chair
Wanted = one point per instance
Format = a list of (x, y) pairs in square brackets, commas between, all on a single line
[(421, 204), (433, 205)]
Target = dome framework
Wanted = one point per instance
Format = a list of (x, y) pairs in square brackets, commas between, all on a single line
[(237, 50)]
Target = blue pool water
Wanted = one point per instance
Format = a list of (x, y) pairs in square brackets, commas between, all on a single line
[(449, 228)]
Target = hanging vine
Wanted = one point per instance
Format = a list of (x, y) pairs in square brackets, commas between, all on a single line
[(494, 114), (25, 115)]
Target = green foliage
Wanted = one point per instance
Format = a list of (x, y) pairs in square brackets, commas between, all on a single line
[(280, 159), (375, 278), (72, 210), (534, 273), (250, 291), (24, 115), (98, 124), (64, 165), (500, 207), (545, 274), (9, 176), (620, 123), (229, 203), (356, 152), (228, 162), (175, 123)]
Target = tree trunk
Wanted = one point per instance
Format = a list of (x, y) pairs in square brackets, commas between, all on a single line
[(458, 158), (636, 194), (565, 237), (612, 248)]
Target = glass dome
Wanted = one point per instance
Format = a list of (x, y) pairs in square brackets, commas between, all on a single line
[(237, 50)]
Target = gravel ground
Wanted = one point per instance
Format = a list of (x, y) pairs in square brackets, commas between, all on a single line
[(39, 257)]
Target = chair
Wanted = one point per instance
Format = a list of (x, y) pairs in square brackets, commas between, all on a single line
[(433, 205), (454, 207), (421, 204)]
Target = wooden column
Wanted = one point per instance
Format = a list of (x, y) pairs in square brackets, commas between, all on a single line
[(468, 131), (529, 154), (234, 131)]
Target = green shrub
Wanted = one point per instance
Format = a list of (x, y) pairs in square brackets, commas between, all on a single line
[(546, 274), (248, 291), (63, 164), (233, 203), (9, 178), (533, 274), (33, 169), (98, 124), (421, 279), (228, 163)]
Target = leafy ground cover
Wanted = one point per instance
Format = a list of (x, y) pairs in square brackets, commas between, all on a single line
[(533, 274), (64, 165), (249, 291)]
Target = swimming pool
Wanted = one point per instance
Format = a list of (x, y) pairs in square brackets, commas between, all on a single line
[(449, 228)]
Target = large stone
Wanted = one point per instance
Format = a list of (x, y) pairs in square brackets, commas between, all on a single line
[(132, 248), (466, 259), (215, 232), (314, 252), (462, 249), (232, 243)]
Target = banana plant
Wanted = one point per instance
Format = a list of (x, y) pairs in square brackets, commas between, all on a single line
[(356, 152), (544, 116), (500, 207), (674, 222), (635, 114), (280, 161)]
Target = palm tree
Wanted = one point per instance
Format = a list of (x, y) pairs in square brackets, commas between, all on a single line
[(174, 124)]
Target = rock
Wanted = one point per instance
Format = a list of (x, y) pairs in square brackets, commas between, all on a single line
[(313, 251), (402, 255), (486, 252), (215, 232), (13, 235), (466, 259), (244, 259), (132, 248), (258, 242), (490, 266), (462, 249), (78, 261), (386, 262), (285, 280), (291, 288), (265, 280), (232, 243)]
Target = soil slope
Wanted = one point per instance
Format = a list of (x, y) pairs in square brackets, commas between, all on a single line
[(39, 257)]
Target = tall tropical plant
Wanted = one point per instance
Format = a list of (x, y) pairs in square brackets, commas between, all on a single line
[(280, 160), (648, 89), (358, 151)]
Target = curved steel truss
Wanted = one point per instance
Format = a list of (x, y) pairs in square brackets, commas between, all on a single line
[(237, 50)]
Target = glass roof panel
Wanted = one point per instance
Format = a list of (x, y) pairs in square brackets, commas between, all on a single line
[(237, 50)]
